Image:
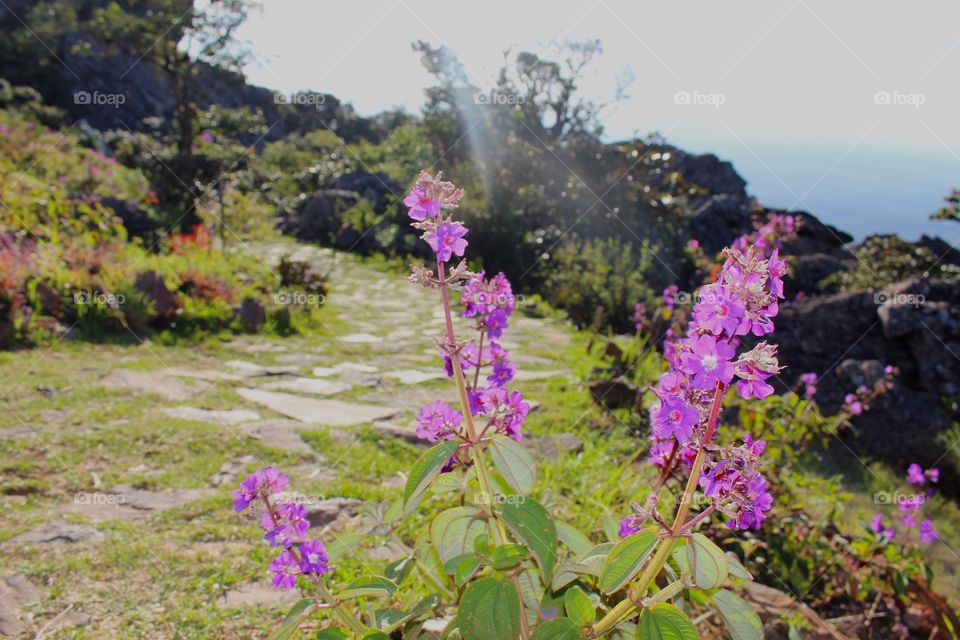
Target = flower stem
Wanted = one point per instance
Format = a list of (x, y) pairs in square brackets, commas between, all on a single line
[(627, 607), (338, 609)]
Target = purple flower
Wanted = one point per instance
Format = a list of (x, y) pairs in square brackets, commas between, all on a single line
[(495, 322), (447, 240), (503, 372), (718, 311), (629, 526), (437, 421), (421, 204), (289, 527), (708, 361), (247, 492), (259, 484), (675, 418), (810, 382), (915, 474), (927, 532), (876, 525), (852, 405), (314, 558), (286, 569)]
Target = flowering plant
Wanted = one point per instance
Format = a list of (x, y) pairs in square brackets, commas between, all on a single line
[(494, 558)]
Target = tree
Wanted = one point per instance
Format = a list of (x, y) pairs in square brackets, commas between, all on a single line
[(951, 211)]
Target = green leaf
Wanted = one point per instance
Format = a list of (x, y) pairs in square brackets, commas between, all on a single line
[(333, 633), (507, 555), (299, 612), (467, 566), (573, 538), (368, 586), (664, 621), (559, 629), (345, 544), (399, 569), (514, 463), (530, 522), (579, 607), (425, 469), (625, 558), (741, 620), (736, 569), (595, 558), (707, 564), (490, 610), (373, 634), (454, 531), (567, 572)]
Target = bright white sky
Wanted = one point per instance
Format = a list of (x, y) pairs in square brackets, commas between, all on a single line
[(797, 75)]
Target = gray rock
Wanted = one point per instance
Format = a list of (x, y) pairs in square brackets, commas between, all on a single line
[(279, 434), (151, 382), (334, 413), (552, 446), (16, 592), (317, 386), (258, 593), (331, 512), (58, 532), (221, 417)]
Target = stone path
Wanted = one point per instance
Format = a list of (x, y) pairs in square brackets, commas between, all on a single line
[(376, 369)]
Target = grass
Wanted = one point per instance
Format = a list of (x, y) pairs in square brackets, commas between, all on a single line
[(160, 577)]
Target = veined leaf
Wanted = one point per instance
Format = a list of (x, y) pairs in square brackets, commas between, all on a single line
[(425, 469), (707, 564), (297, 615), (514, 463), (625, 559), (530, 522), (664, 621), (741, 620), (454, 531), (507, 555), (579, 607), (559, 629), (490, 610), (567, 572), (368, 586), (573, 538)]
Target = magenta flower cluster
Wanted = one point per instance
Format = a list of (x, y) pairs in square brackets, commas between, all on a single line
[(489, 302), (909, 507), (285, 524), (742, 302)]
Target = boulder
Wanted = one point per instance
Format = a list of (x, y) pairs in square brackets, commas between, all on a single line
[(252, 315)]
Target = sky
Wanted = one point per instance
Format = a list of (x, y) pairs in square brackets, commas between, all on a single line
[(847, 109)]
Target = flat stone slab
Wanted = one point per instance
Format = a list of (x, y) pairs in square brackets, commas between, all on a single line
[(151, 382), (414, 376), (406, 432), (16, 591), (127, 503), (316, 386), (51, 532), (249, 369), (361, 338), (209, 375), (258, 593), (226, 418), (344, 367), (279, 434), (334, 413)]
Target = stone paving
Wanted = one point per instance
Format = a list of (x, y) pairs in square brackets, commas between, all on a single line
[(376, 370)]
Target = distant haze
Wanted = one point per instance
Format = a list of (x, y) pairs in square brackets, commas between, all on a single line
[(848, 109)]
